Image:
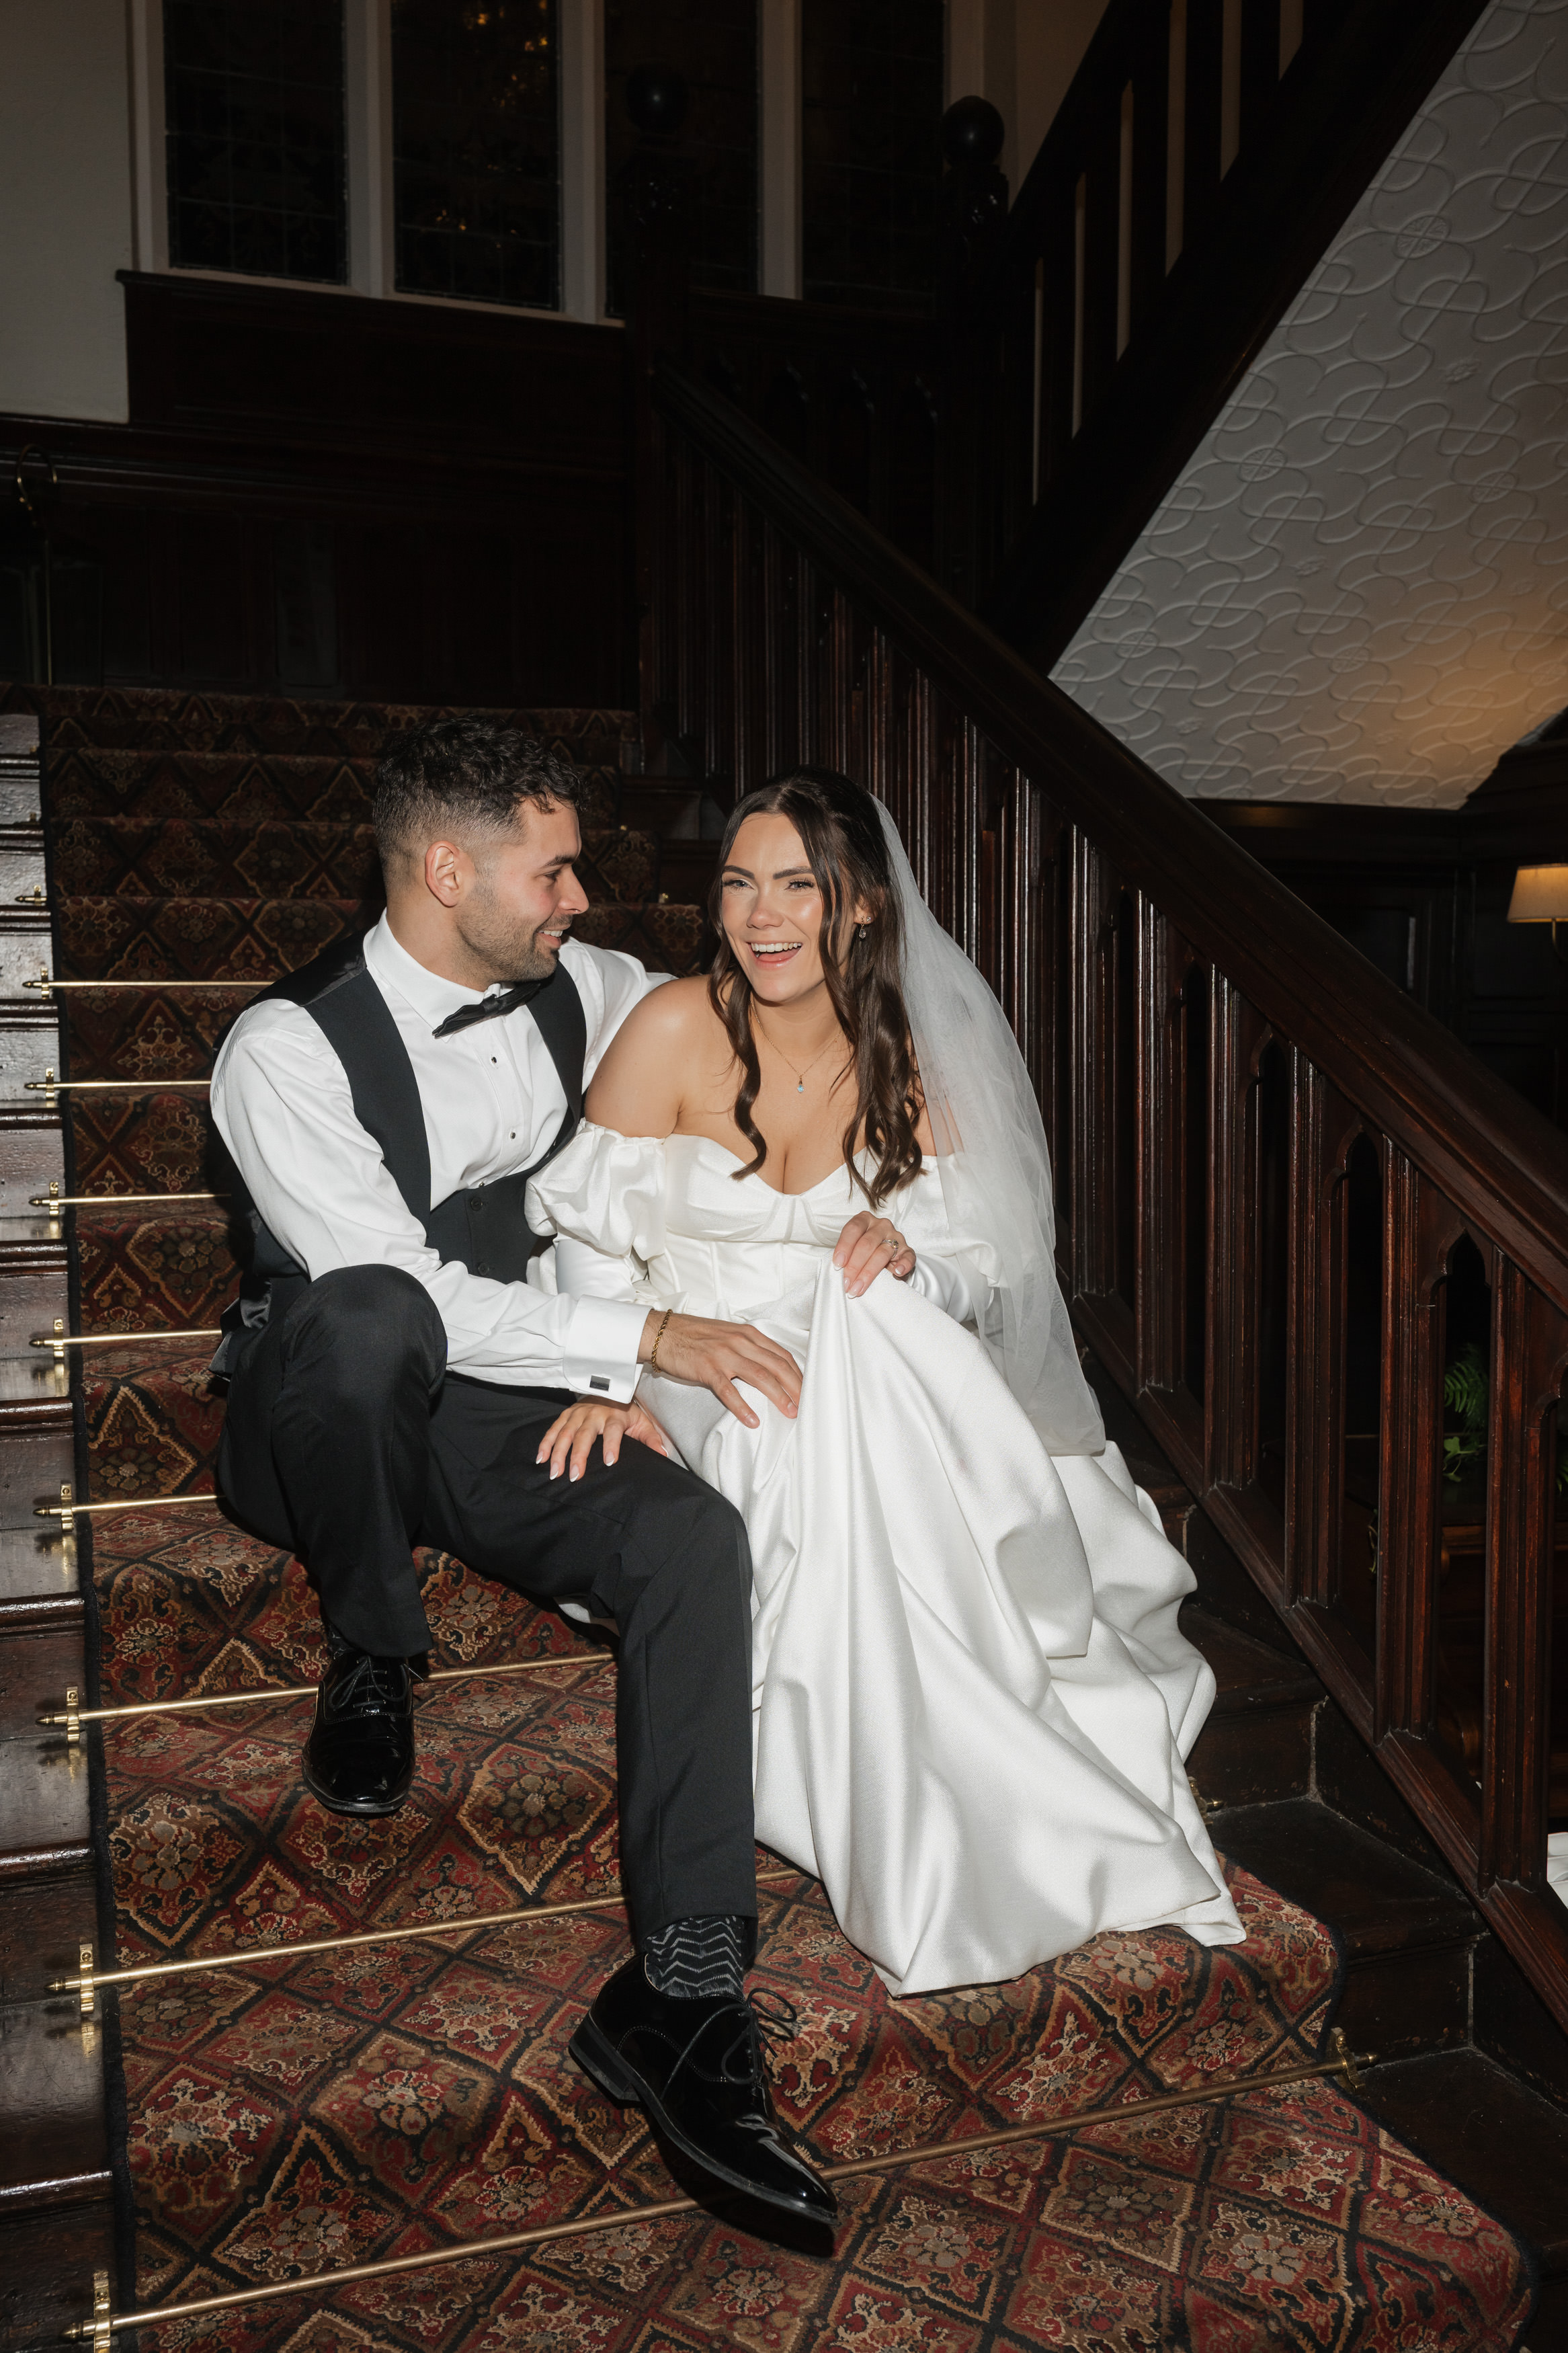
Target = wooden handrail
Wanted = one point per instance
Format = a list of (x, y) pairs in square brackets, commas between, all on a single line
[(1290, 1204), (1504, 1164)]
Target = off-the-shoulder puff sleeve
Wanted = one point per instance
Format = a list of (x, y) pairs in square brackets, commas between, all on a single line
[(603, 1198)]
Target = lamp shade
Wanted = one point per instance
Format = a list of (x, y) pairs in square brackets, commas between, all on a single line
[(1539, 895)]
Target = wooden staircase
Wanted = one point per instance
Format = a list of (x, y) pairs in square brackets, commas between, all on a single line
[(232, 2097)]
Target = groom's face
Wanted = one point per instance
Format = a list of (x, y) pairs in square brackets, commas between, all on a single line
[(523, 894)]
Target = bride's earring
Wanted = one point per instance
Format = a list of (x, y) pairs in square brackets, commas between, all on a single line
[(861, 930)]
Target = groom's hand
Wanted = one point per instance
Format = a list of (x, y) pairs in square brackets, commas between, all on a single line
[(712, 1355)]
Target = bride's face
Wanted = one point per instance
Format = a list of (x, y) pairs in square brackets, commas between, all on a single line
[(772, 910)]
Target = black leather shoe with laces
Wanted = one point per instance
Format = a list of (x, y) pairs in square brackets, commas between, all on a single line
[(695, 2066), (359, 1759)]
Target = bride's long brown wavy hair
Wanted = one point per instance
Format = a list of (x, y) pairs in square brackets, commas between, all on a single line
[(841, 835)]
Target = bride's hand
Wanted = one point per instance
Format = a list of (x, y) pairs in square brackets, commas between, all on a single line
[(570, 1437), (867, 1245)]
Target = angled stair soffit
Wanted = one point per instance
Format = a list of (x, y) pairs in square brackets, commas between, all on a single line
[(1357, 589)]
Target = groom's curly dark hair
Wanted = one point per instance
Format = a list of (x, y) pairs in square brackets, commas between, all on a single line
[(841, 835), (468, 776)]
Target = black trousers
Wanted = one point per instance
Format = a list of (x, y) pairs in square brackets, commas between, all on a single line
[(345, 1439)]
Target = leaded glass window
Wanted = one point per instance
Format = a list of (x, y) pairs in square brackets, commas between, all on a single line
[(477, 148), (870, 115), (254, 99), (713, 44)]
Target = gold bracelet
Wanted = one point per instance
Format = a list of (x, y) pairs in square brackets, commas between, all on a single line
[(653, 1352)]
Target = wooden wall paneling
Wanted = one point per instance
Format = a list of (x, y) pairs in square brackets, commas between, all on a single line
[(1529, 1353), (1422, 1230)]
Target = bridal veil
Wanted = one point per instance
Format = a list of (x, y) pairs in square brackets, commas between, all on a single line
[(996, 1167)]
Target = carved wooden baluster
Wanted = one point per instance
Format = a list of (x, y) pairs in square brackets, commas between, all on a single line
[(1259, 67), (1326, 1131), (1529, 1350), (1204, 79), (1150, 80), (1102, 255), (1161, 969), (1231, 1431), (1095, 889), (1422, 1230), (1044, 1054), (1058, 299), (838, 684), (748, 763)]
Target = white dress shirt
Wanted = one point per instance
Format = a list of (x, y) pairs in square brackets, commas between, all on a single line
[(493, 1104)]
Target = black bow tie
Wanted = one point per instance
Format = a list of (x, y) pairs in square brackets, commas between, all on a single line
[(490, 1008)]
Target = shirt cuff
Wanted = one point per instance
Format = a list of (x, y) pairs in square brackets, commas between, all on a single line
[(599, 1352)]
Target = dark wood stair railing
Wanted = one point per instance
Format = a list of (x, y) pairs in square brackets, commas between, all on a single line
[(1186, 188), (1287, 1198)]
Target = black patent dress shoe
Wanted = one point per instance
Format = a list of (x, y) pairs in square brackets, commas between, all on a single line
[(359, 1759), (695, 2066)]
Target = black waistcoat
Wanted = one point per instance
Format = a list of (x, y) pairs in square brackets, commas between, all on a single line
[(481, 1227)]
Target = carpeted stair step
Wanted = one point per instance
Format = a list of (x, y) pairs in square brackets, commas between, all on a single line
[(170, 719), (253, 785), (154, 1418), (223, 858), (142, 1272), (143, 1144), (382, 2099)]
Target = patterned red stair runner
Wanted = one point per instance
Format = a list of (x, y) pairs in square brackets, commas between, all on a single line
[(289, 2119)]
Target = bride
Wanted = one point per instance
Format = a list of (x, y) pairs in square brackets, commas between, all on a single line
[(972, 1702)]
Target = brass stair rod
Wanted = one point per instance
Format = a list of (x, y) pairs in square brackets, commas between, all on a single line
[(111, 1200), (120, 1339), (92, 1983), (1345, 2063), (67, 1511), (50, 1085), (271, 1692), (46, 985)]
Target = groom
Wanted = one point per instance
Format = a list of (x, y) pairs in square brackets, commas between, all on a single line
[(392, 1372)]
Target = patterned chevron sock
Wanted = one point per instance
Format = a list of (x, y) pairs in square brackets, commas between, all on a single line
[(699, 1960)]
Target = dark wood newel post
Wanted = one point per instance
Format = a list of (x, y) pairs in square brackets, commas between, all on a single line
[(657, 195)]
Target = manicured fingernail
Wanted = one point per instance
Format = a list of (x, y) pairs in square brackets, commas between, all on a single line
[(575, 1473), (555, 1470)]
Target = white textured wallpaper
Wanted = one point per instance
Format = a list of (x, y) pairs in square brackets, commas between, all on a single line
[(1358, 590)]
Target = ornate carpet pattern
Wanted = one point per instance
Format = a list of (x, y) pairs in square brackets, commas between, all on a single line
[(293, 2118)]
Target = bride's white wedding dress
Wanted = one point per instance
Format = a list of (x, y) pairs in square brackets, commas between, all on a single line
[(971, 1700)]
